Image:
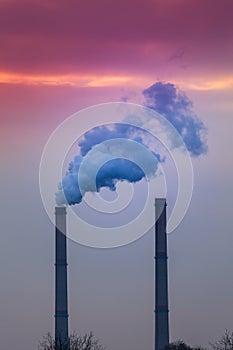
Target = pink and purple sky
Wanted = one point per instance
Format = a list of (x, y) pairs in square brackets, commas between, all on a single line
[(57, 57), (116, 43)]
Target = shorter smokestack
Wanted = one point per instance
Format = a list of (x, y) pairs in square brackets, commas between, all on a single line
[(161, 280), (61, 299)]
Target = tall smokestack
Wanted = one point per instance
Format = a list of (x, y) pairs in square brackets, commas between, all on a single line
[(61, 299), (161, 279)]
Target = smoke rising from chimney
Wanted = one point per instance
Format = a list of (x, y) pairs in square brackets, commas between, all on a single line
[(165, 99), (107, 163)]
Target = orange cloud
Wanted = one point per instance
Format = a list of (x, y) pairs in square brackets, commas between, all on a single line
[(65, 80), (83, 80), (206, 84)]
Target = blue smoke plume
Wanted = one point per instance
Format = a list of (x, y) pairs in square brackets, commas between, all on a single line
[(114, 168), (103, 133), (165, 99), (174, 105)]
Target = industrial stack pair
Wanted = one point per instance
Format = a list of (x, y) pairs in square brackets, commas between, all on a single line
[(161, 277)]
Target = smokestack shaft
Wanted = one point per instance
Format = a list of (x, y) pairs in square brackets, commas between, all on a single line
[(161, 278), (61, 298)]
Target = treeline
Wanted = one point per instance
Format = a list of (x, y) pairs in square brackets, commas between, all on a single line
[(90, 342), (225, 343)]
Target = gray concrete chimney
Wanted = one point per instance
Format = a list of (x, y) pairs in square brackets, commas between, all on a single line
[(61, 298), (161, 278)]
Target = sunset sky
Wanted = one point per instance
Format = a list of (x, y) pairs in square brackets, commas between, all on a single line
[(57, 57)]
